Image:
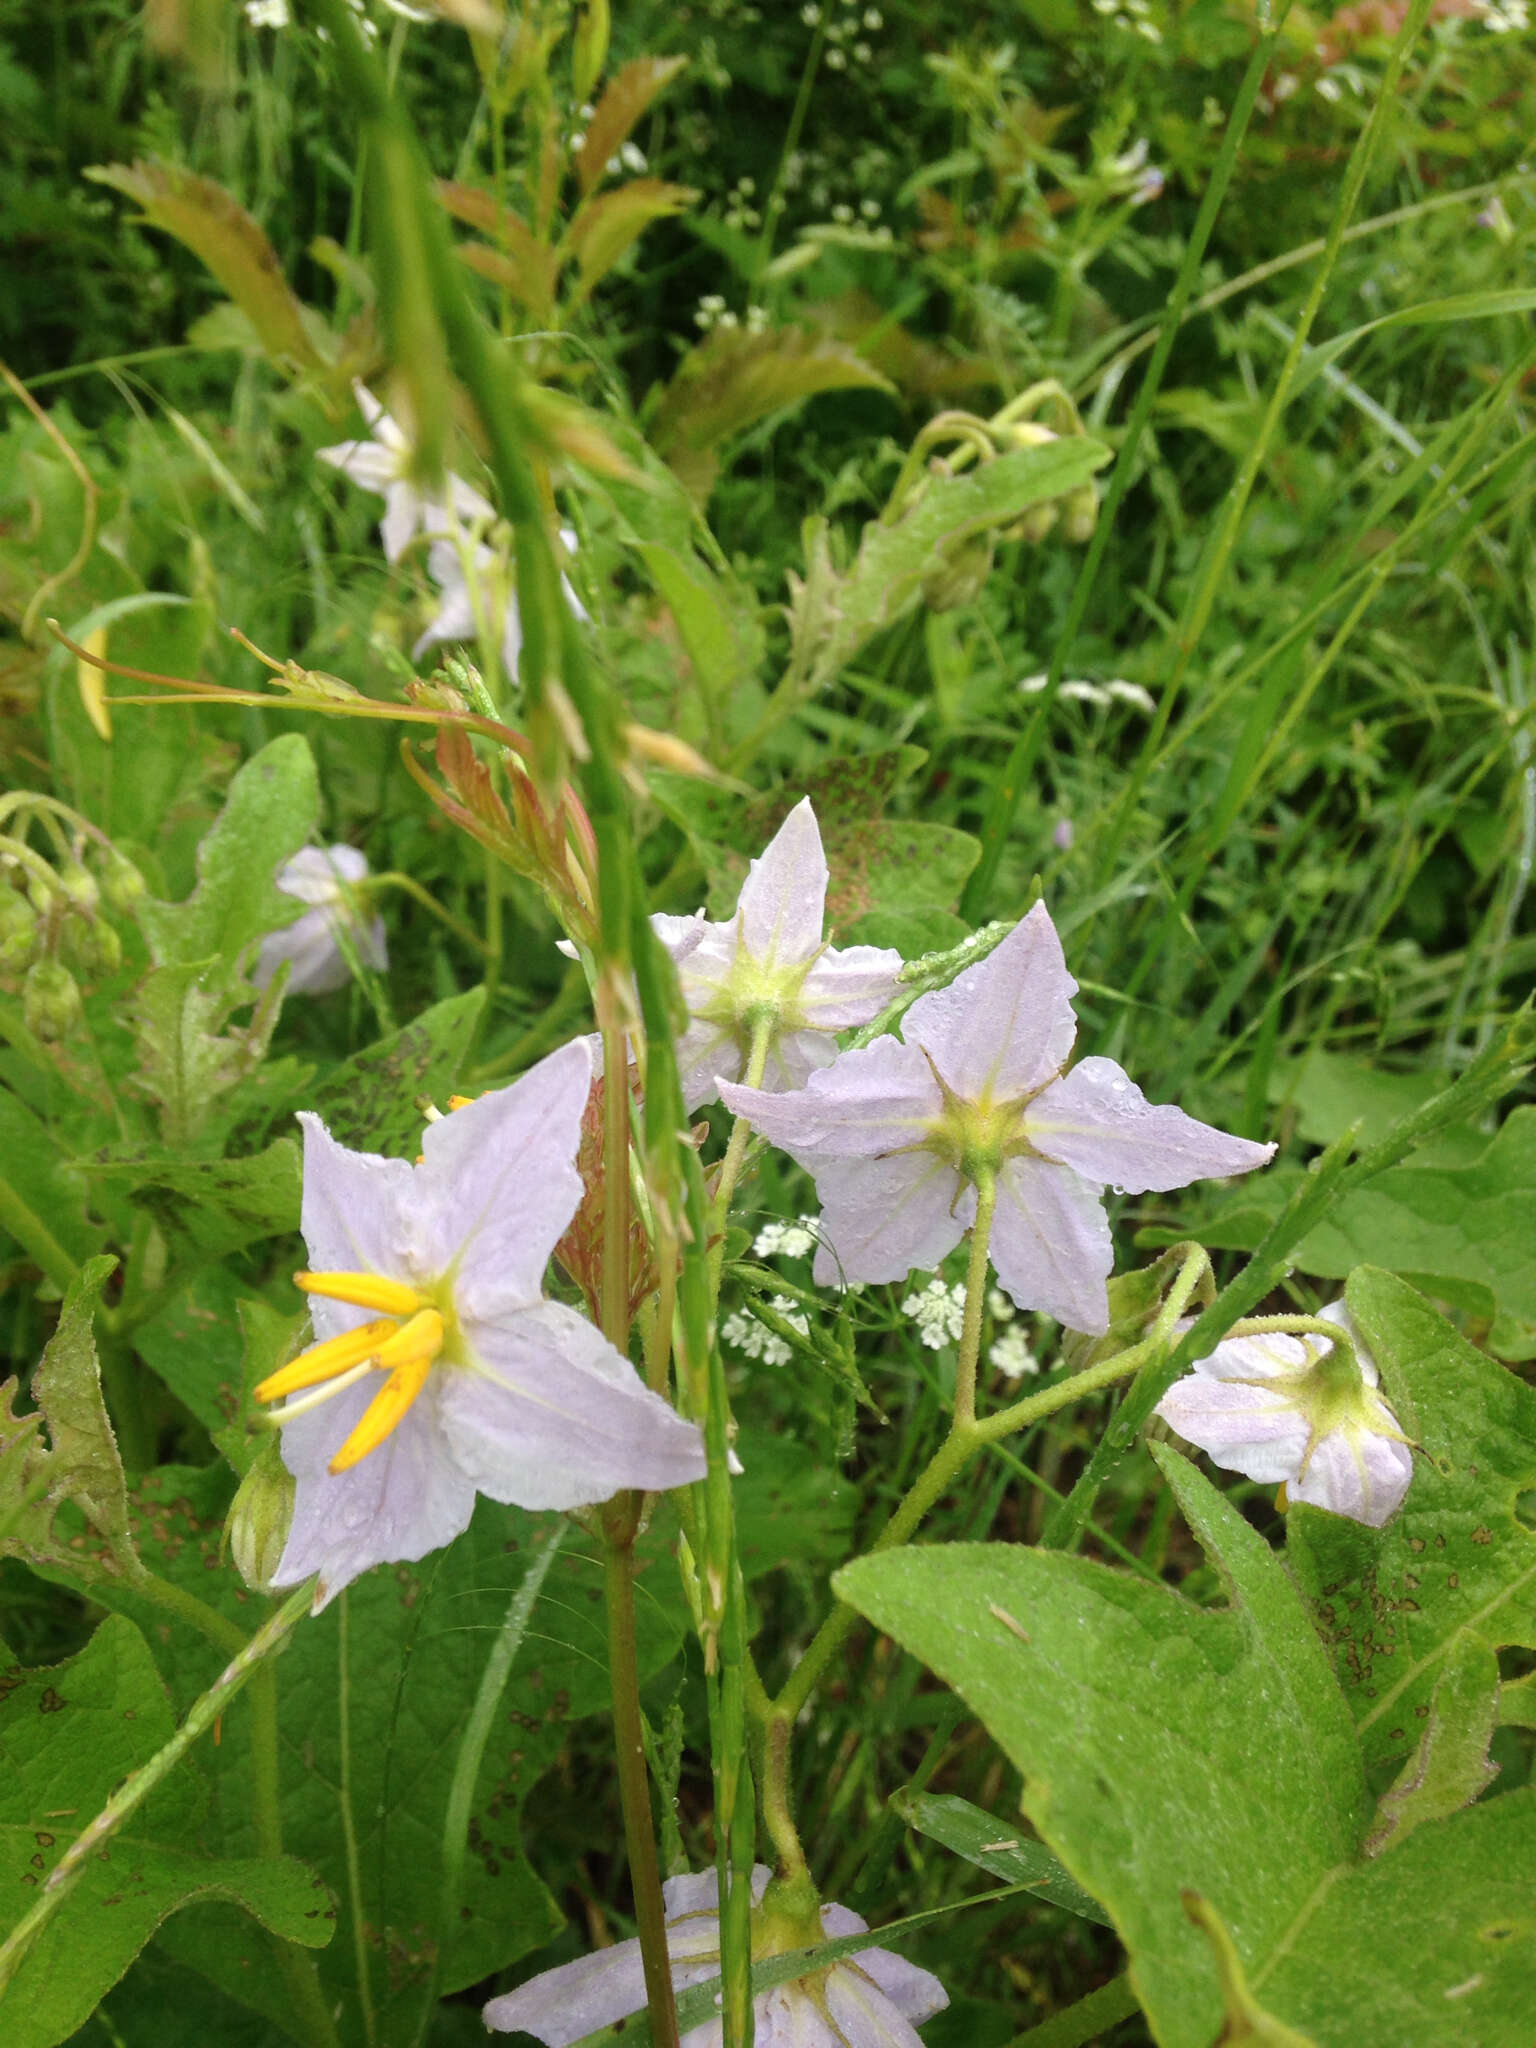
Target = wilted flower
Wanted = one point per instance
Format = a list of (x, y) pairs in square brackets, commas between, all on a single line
[(383, 464), (865, 2000), (441, 1370), (325, 877), (898, 1134), (768, 966), (1294, 1410)]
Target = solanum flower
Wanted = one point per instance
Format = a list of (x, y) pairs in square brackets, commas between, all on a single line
[(1295, 1410), (492, 590), (767, 967), (383, 464), (898, 1134), (865, 2000), (325, 877), (441, 1371)]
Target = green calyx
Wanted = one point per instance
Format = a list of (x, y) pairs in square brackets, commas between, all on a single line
[(975, 1136)]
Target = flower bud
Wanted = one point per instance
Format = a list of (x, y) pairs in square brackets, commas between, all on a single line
[(50, 999), (121, 883), (79, 887), (18, 932), (256, 1528), (1080, 513), (94, 947)]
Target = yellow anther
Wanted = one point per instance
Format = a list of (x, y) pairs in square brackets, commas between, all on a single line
[(421, 1337), (364, 1290), (325, 1361), (388, 1407), (460, 1101)]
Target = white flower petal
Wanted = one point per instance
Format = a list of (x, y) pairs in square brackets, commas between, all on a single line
[(554, 1417), (499, 1181), (706, 1052), (319, 874), (863, 2015), (402, 516), (884, 1218), (562, 2005), (916, 1994), (357, 1217), (1354, 1472), (403, 1500), (316, 963), (1051, 1245), (1098, 1122), (1337, 1312), (783, 900), (849, 986), (1254, 1430), (874, 1100), (363, 463), (1005, 1025)]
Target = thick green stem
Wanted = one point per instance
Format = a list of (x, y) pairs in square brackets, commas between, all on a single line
[(635, 1792), (19, 1220)]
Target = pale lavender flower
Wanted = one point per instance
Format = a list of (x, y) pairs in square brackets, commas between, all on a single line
[(768, 963), (383, 463), (441, 1370), (865, 2000), (896, 1133), (327, 878), (1268, 1406), (484, 590)]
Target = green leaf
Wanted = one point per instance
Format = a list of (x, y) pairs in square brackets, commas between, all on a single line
[(625, 98), (612, 223), (832, 615), (415, 1637), (37, 1169), (271, 811), (1452, 1577), (1136, 1719), (224, 237), (68, 1736), (373, 1100), (77, 1463), (734, 379), (194, 1344), (217, 1206), (1176, 1756), (995, 1848), (716, 619), (789, 1509)]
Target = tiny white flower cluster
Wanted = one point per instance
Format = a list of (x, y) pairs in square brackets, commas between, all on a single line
[(739, 211), (1132, 16), (1503, 17), (1116, 691), (939, 1313), (848, 37), (744, 1333), (712, 312), (1009, 1353), (785, 1240), (267, 13)]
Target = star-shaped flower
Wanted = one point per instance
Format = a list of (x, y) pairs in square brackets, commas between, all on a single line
[(492, 590), (865, 2000), (325, 877), (441, 1371), (383, 464), (1285, 1410), (898, 1133), (768, 965)]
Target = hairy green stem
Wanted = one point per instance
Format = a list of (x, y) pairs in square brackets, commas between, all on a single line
[(975, 1301), (356, 1915), (21, 1221)]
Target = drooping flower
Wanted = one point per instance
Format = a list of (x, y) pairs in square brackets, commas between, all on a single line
[(383, 464), (865, 2000), (486, 584), (897, 1135), (1294, 1410), (769, 966), (326, 877), (440, 1369)]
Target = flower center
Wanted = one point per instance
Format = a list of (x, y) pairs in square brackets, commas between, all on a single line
[(403, 1343)]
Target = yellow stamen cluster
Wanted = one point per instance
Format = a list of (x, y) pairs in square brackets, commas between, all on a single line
[(403, 1343)]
